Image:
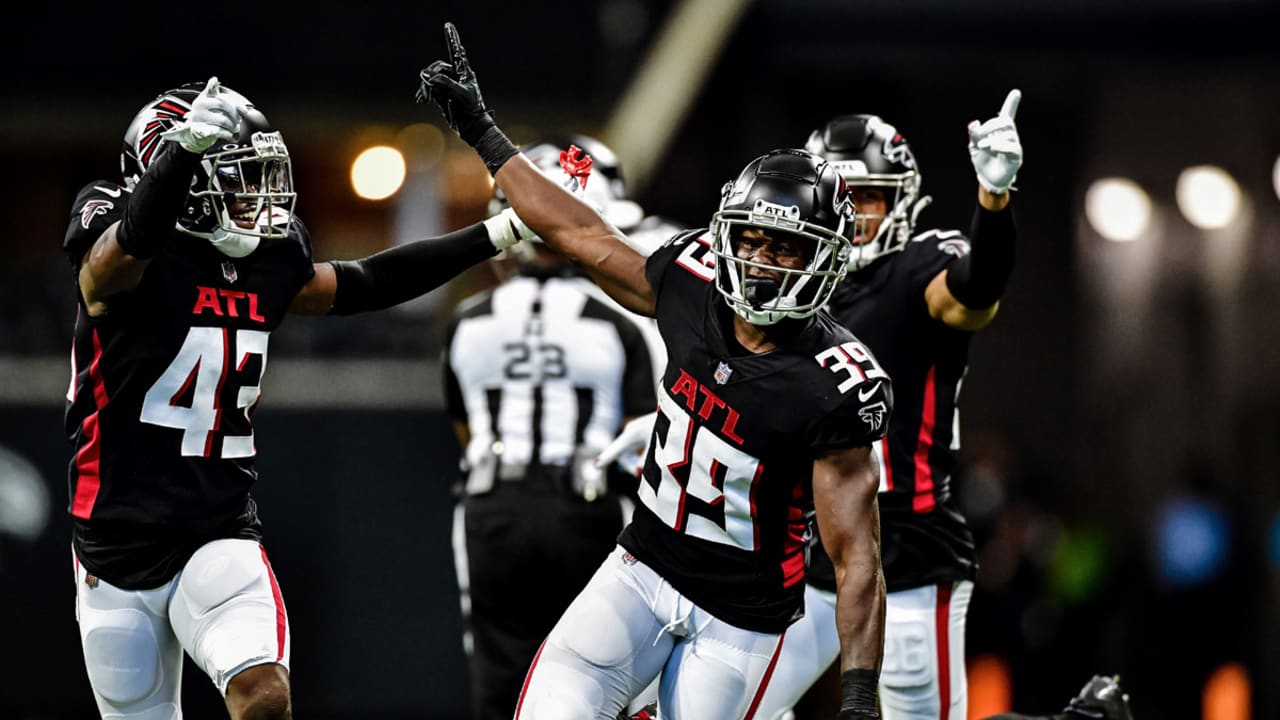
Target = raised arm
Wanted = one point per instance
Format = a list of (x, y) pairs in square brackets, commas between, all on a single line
[(966, 295), (561, 220), (116, 261), (845, 483)]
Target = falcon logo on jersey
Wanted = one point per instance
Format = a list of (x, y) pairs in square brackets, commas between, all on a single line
[(92, 209), (873, 416), (723, 371), (958, 248)]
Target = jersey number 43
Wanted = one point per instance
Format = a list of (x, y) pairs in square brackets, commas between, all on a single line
[(200, 372)]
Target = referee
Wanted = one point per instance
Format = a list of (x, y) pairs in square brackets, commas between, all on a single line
[(540, 374)]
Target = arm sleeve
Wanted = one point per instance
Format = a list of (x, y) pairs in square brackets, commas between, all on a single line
[(402, 273), (157, 201), (978, 279)]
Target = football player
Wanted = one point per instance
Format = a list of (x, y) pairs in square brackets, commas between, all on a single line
[(183, 268), (916, 299), (764, 396)]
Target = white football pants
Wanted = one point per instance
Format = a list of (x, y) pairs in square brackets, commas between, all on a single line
[(224, 609), (628, 627), (923, 654)]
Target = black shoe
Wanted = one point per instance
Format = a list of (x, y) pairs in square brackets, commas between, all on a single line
[(1100, 699)]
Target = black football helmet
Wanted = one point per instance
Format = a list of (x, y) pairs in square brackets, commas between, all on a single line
[(792, 192), (243, 191), (868, 152)]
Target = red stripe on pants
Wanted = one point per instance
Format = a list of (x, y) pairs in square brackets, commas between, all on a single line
[(943, 622), (281, 621), (764, 681), (527, 678)]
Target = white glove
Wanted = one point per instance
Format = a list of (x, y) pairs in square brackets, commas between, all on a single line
[(506, 229), (995, 149), (213, 117), (629, 447)]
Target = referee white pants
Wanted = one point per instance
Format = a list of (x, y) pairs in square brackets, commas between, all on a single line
[(628, 627), (923, 654)]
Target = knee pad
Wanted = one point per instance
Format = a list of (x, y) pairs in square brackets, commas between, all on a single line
[(122, 656), (218, 572)]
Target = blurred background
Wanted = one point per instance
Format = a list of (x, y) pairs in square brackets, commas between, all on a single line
[(1121, 417)]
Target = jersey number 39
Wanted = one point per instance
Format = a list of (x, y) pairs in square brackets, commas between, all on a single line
[(702, 485)]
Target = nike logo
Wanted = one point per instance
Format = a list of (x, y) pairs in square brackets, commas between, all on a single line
[(863, 397), (113, 192)]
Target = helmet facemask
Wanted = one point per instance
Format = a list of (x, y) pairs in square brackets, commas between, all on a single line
[(244, 195), (870, 153), (901, 192), (798, 292)]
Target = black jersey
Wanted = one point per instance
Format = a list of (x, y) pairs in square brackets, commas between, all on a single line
[(924, 539), (729, 472), (164, 386)]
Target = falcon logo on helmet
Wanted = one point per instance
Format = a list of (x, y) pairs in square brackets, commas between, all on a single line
[(243, 192)]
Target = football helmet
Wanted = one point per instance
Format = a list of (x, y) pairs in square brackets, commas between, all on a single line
[(788, 192), (604, 189), (868, 152), (242, 193)]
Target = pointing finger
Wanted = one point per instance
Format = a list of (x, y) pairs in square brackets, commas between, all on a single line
[(457, 55), (1010, 107), (211, 88)]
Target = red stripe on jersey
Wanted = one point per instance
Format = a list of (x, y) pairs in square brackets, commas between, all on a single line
[(886, 466), (684, 487), (755, 526), (923, 500), (217, 394), (524, 689), (282, 620), (88, 458), (764, 681), (794, 543), (942, 620)]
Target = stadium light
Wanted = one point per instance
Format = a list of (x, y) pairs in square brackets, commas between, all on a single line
[(1275, 176), (378, 172), (1208, 197), (1118, 209)]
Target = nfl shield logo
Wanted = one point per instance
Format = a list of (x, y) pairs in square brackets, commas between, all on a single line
[(229, 271), (722, 373)]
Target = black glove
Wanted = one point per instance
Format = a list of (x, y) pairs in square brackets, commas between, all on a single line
[(452, 86), (855, 715)]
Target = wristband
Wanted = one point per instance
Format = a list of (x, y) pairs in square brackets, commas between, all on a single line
[(494, 149), (858, 694), (506, 229)]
